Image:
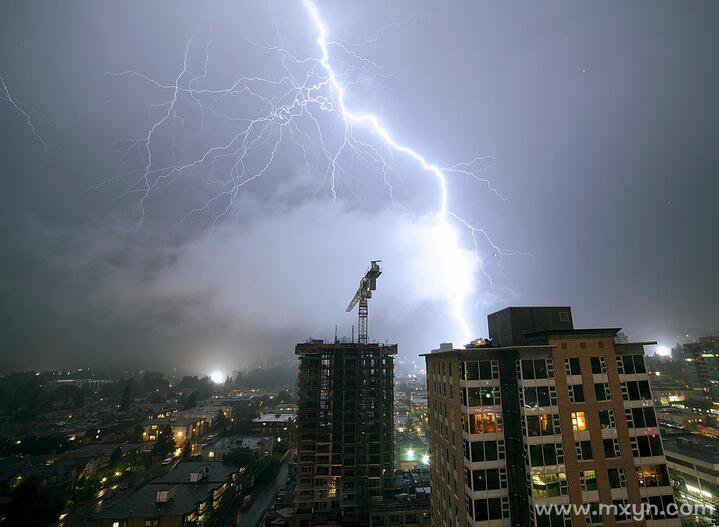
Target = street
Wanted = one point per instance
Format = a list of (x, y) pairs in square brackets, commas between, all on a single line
[(263, 495)]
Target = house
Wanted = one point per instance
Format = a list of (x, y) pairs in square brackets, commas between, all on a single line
[(194, 493)]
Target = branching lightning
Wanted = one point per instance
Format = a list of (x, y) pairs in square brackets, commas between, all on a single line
[(28, 119), (291, 110)]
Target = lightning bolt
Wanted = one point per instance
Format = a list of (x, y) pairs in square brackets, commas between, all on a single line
[(28, 119), (289, 111), (447, 234)]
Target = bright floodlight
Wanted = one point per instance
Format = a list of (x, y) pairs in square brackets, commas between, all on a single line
[(218, 376), (425, 459), (664, 351)]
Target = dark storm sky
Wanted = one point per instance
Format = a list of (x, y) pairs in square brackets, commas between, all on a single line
[(599, 121)]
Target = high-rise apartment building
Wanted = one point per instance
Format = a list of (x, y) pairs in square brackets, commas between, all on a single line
[(345, 432), (543, 414), (701, 360)]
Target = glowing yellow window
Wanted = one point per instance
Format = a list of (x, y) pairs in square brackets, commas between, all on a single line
[(579, 421)]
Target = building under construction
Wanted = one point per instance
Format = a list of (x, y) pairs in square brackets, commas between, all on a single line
[(345, 437)]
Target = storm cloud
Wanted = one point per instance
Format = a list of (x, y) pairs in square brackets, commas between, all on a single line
[(595, 122)]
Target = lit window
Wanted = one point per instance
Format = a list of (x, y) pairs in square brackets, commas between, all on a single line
[(579, 421)]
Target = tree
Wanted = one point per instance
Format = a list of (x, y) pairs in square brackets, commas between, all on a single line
[(116, 455), (126, 398), (153, 381), (241, 457), (220, 422), (165, 442), (409, 423), (157, 397), (284, 397), (243, 416), (32, 505), (190, 401)]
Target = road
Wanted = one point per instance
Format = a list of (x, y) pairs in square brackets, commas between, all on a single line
[(263, 499)]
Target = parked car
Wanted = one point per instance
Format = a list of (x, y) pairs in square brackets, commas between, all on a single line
[(246, 502)]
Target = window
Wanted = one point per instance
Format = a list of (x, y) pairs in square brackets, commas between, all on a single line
[(646, 446), (571, 365), (485, 396), (588, 479), (484, 423), (606, 419), (611, 448), (541, 425), (653, 476), (576, 393), (579, 421), (599, 365), (636, 391), (549, 485), (658, 506), (600, 391), (594, 515), (539, 396), (489, 479), (617, 479), (641, 417), (478, 370), (546, 454), (564, 316), (535, 369), (584, 450), (621, 511), (152, 523), (485, 450), (488, 509), (632, 364)]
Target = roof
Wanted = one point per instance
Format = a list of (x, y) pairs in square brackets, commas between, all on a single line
[(436, 353), (572, 332), (181, 421), (102, 449), (275, 418), (693, 446), (238, 442), (218, 472), (143, 504)]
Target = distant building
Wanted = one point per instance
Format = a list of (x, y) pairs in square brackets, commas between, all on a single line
[(194, 493), (543, 414), (345, 458), (279, 425), (183, 430), (693, 463), (262, 446), (701, 360), (92, 383)]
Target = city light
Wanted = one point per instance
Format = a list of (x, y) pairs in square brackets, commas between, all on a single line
[(218, 376), (425, 459), (663, 351)]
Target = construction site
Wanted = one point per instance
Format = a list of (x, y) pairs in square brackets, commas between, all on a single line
[(345, 446)]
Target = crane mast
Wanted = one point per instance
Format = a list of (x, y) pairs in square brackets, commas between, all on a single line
[(363, 294)]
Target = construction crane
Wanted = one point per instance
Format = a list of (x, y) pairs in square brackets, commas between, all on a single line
[(363, 294)]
